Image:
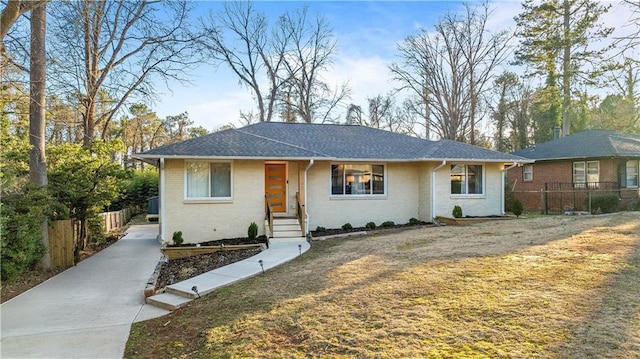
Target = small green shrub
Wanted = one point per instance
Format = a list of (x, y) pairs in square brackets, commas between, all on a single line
[(177, 238), (252, 232), (320, 229), (371, 225), (606, 204), (347, 226), (457, 212), (414, 221), (516, 207), (387, 224)]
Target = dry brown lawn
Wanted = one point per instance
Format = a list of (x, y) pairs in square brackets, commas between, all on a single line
[(550, 287)]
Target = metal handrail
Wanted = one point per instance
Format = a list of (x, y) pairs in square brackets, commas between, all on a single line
[(301, 214), (268, 213)]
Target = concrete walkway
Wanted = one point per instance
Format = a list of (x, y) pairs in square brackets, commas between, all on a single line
[(281, 250), (85, 311)]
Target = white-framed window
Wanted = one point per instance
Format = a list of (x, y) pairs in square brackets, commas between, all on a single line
[(632, 173), (357, 179), (467, 179), (208, 180), (586, 172), (527, 173)]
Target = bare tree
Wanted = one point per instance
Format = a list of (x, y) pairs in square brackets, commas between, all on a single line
[(354, 115), (312, 48), (512, 113), (11, 13), (281, 63), (255, 52), (432, 66), (449, 69), (118, 48), (482, 51)]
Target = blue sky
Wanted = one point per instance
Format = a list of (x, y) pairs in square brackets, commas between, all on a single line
[(367, 33)]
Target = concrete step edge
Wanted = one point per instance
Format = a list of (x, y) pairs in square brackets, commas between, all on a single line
[(168, 301), (181, 293)]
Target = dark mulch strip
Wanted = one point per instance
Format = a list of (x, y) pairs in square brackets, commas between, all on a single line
[(333, 231), (226, 242)]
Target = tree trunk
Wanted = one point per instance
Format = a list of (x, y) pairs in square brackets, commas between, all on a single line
[(472, 113), (566, 70), (37, 122), (427, 111)]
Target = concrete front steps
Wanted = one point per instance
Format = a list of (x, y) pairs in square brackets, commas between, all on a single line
[(285, 227), (168, 301)]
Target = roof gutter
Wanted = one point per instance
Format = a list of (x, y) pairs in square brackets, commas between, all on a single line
[(433, 189), (161, 202), (502, 195), (306, 213)]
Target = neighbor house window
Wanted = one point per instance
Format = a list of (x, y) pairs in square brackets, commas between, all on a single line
[(466, 179), (208, 180), (527, 173), (357, 179), (632, 174), (586, 172)]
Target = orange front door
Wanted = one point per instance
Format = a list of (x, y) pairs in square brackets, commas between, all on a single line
[(275, 181)]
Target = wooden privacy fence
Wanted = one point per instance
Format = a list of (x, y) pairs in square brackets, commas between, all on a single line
[(64, 235), (115, 220)]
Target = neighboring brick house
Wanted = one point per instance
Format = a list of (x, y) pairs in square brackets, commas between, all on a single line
[(596, 161)]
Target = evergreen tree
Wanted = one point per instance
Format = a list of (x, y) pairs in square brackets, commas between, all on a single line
[(560, 34)]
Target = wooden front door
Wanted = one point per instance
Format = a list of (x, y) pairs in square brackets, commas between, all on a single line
[(275, 181)]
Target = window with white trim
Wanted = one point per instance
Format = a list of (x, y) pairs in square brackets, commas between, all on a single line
[(467, 179), (586, 172), (527, 173), (357, 179), (632, 173), (208, 180)]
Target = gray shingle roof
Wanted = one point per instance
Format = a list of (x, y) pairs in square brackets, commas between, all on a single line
[(278, 140), (585, 144)]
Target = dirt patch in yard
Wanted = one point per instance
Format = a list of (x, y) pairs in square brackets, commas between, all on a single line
[(552, 287)]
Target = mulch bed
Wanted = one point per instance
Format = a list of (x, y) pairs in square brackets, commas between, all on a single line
[(177, 270), (334, 231)]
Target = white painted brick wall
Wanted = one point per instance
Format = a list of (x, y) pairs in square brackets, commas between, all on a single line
[(488, 204), (400, 204), (206, 221)]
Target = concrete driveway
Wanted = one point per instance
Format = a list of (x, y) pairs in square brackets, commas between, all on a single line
[(85, 311)]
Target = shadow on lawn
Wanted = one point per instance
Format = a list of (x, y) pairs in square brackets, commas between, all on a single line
[(615, 320), (314, 276)]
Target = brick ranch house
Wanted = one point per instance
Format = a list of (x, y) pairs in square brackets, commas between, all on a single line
[(599, 161), (212, 187)]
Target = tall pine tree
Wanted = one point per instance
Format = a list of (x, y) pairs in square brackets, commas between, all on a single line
[(561, 34)]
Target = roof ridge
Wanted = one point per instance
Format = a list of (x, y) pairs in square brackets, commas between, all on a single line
[(282, 142)]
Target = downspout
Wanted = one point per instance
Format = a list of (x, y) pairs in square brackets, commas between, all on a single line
[(502, 195), (161, 209), (433, 189), (306, 213)]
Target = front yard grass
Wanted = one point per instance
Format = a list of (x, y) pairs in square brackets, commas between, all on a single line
[(551, 287)]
